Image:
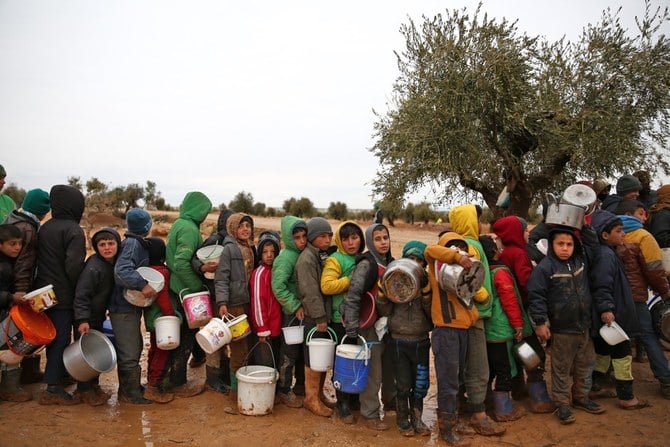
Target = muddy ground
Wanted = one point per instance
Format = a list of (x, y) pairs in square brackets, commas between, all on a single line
[(202, 421)]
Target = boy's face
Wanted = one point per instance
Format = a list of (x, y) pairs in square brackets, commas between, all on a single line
[(11, 247), (351, 243), (268, 254), (322, 241), (244, 231), (107, 248), (418, 260), (563, 246), (632, 195), (615, 237), (381, 241), (640, 214), (300, 239)]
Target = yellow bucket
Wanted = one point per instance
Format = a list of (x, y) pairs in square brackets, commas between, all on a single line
[(239, 326)]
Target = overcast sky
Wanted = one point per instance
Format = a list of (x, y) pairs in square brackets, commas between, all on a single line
[(274, 98)]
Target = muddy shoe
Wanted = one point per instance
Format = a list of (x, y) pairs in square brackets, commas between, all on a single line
[(565, 415), (57, 396), (187, 390), (90, 397), (290, 400), (299, 390), (157, 395), (588, 405), (102, 393), (376, 424), (486, 426)]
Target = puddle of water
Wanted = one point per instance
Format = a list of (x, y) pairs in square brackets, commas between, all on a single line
[(146, 430)]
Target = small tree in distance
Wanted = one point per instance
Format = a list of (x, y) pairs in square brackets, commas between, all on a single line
[(338, 210), (242, 203)]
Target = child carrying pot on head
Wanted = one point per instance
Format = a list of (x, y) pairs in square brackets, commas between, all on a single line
[(409, 326)]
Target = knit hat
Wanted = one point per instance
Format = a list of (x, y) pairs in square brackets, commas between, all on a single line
[(36, 202), (317, 226), (626, 184), (138, 221), (414, 248), (3, 173), (156, 250), (600, 185), (601, 219), (268, 237)]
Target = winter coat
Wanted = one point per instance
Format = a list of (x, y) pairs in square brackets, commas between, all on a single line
[(446, 309), (266, 314), (507, 312), (308, 270), (95, 287), (283, 268), (182, 242), (133, 253), (514, 255), (24, 267), (6, 284), (559, 291), (62, 245), (231, 282), (611, 203), (659, 226), (464, 221)]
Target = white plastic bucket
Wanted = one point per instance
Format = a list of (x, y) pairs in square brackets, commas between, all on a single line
[(209, 253), (256, 389), (613, 334), (321, 350), (155, 280), (198, 308), (294, 335), (167, 332), (41, 299), (214, 335)]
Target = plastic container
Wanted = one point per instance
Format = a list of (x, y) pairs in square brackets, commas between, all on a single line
[(198, 308), (155, 280), (24, 331), (214, 335), (239, 326), (256, 389), (350, 374), (41, 299), (167, 332), (294, 335), (613, 334), (209, 253), (321, 350)]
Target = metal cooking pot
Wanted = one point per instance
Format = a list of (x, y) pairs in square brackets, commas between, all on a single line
[(402, 280), (660, 316), (88, 357), (580, 195), (459, 281), (526, 355), (564, 213)]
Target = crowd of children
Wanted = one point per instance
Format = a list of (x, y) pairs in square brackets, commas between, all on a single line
[(552, 298)]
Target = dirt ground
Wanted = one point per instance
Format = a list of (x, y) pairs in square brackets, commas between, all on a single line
[(202, 421)]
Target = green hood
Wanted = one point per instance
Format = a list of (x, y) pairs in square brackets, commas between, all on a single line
[(196, 206)]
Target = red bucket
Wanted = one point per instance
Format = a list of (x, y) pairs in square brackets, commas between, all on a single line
[(25, 331), (368, 312)]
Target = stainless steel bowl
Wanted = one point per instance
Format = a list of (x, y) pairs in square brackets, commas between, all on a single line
[(526, 355), (402, 280)]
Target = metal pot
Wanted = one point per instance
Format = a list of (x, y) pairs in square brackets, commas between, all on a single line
[(89, 356), (660, 316), (459, 281), (526, 355), (580, 195), (564, 213), (402, 280)]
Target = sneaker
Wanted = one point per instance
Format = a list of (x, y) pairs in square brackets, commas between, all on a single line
[(588, 405), (58, 396), (565, 415), (290, 399), (376, 424)]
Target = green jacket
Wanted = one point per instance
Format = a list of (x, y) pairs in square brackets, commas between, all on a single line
[(7, 205), (182, 242), (499, 327), (284, 285)]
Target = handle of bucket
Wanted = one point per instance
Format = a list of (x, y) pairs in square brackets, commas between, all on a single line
[(293, 319), (181, 298), (246, 360), (329, 331), (365, 347)]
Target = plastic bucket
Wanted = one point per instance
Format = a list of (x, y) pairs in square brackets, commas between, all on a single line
[(214, 335), (41, 299), (367, 314), (23, 331), (167, 332), (155, 280), (350, 373), (293, 335), (109, 331), (209, 253), (88, 357), (613, 334), (256, 389), (239, 326), (198, 308), (321, 350)]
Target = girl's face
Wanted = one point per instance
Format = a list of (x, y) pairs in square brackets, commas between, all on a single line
[(244, 231), (268, 254), (107, 249), (381, 241), (351, 244)]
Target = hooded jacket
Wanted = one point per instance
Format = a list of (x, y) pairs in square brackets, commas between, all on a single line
[(215, 239), (514, 255), (24, 267), (182, 242), (559, 291), (464, 221), (283, 269), (231, 280), (62, 245), (446, 309), (308, 270), (95, 286), (337, 271)]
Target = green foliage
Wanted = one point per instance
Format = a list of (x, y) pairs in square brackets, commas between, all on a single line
[(338, 211), (259, 209), (301, 208), (150, 194), (408, 214), (243, 202), (477, 107), (423, 212), (75, 182)]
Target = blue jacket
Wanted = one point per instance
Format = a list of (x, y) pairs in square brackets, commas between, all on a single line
[(134, 253)]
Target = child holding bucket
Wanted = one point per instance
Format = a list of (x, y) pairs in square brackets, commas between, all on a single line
[(349, 240), (11, 243), (266, 315), (409, 325), (91, 300)]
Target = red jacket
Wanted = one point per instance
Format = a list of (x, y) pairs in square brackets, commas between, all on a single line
[(266, 314), (514, 255)]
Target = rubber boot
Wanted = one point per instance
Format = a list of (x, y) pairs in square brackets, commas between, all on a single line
[(447, 424), (312, 401), (416, 414), (30, 369), (157, 394), (343, 411), (665, 386), (539, 398), (402, 417), (130, 388), (10, 386), (322, 394), (89, 395), (600, 386), (214, 382), (224, 366), (504, 409), (519, 386)]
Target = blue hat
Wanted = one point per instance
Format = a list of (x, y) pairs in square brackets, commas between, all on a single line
[(138, 221)]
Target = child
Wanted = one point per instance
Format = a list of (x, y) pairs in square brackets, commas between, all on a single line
[(335, 283), (409, 325), (158, 360), (294, 237), (316, 305), (27, 218), (232, 282), (508, 324), (266, 313), (60, 260), (126, 318), (10, 246), (559, 295), (91, 300), (613, 299), (452, 319)]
